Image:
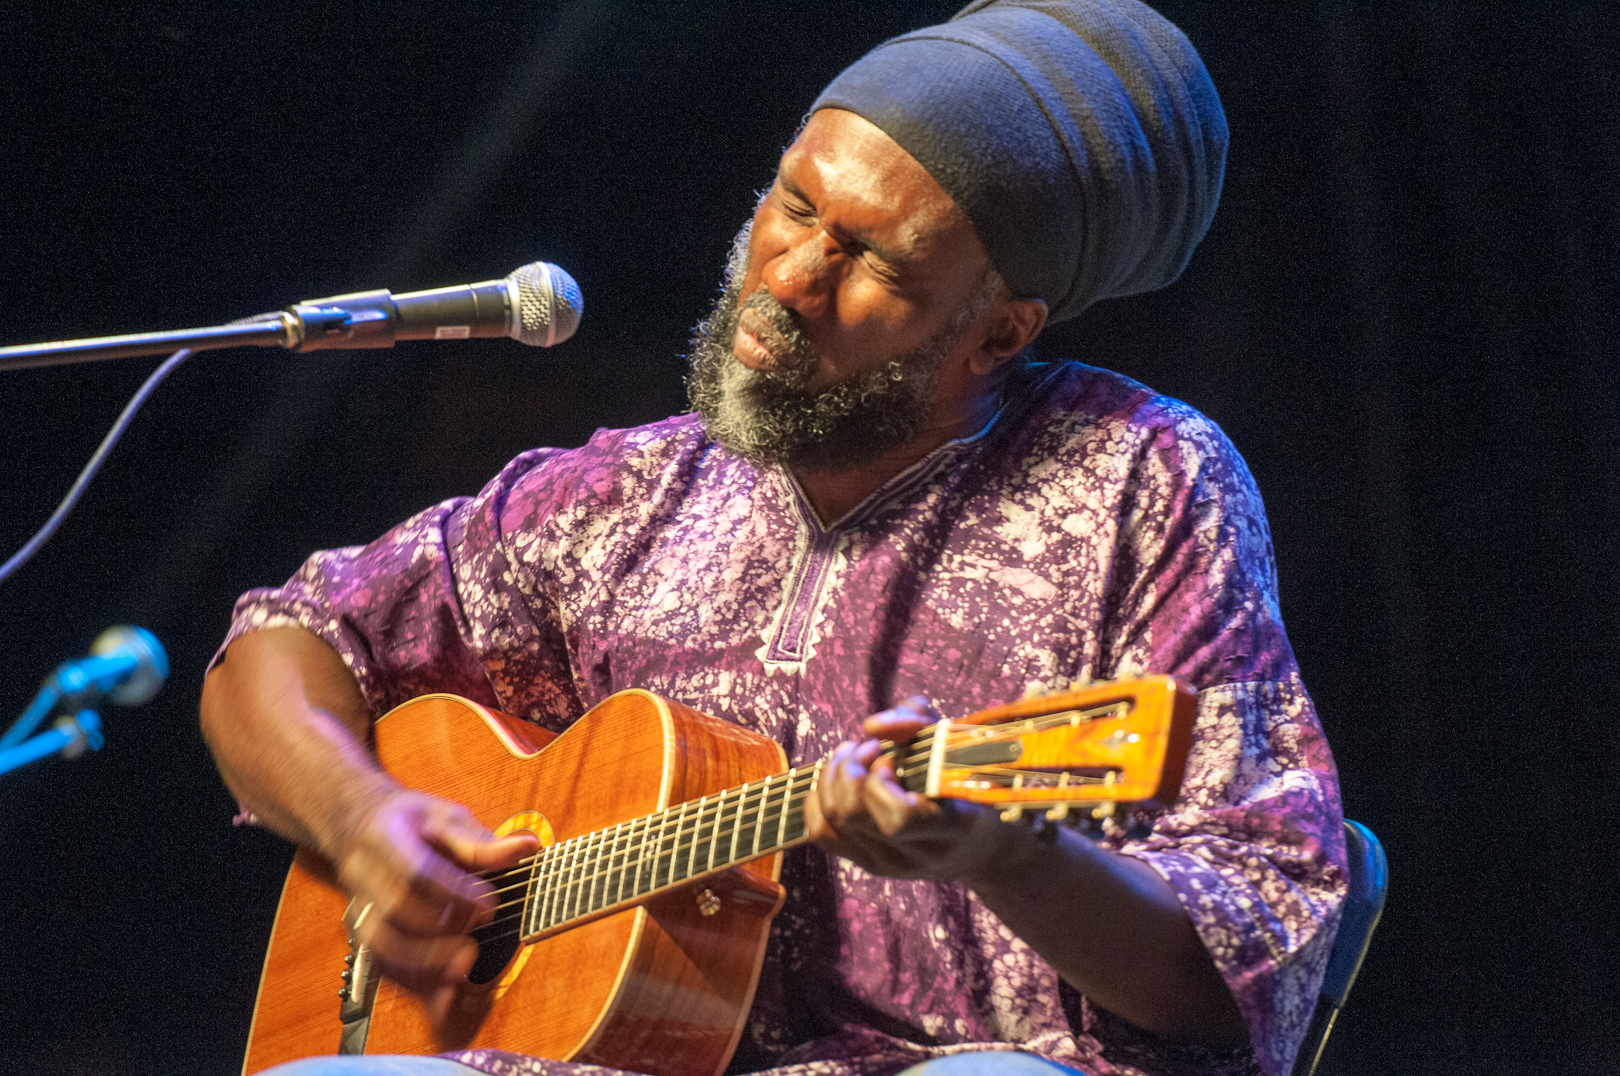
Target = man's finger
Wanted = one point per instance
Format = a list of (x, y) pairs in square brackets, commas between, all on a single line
[(839, 786), (443, 899), (904, 720), (451, 828), (499, 853), (892, 808)]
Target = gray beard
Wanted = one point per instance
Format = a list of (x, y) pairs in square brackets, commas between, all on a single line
[(774, 417)]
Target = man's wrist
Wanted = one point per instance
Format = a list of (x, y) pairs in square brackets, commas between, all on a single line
[(1011, 851), (351, 813)]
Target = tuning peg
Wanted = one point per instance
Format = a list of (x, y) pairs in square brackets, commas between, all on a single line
[(1058, 813), (1013, 813)]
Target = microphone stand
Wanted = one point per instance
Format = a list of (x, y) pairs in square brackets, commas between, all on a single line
[(303, 328), (70, 737)]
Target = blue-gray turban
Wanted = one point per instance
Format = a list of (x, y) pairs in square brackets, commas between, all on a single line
[(1082, 138)]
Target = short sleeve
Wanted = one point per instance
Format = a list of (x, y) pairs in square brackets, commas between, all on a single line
[(1254, 846), (433, 606)]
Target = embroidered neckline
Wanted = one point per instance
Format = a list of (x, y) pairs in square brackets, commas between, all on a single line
[(791, 638)]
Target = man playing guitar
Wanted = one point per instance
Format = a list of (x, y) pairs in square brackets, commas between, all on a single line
[(881, 501)]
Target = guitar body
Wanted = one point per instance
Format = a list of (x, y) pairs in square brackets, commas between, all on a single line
[(661, 988)]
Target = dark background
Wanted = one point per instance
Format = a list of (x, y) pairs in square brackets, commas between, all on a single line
[(1405, 317)]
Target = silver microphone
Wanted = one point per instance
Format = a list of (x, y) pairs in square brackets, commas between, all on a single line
[(537, 303)]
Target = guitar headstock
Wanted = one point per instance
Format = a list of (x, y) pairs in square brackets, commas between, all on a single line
[(1124, 741)]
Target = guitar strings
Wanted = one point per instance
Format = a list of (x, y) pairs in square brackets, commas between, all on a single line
[(655, 852), (916, 756), (574, 887), (921, 749), (748, 811), (582, 890)]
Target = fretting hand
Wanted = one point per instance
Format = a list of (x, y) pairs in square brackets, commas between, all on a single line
[(859, 811)]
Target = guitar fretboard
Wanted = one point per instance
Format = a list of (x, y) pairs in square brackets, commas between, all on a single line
[(584, 876)]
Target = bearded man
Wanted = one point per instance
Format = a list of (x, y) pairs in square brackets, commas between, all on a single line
[(881, 501)]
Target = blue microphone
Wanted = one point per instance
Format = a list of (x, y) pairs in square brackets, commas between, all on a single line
[(126, 666)]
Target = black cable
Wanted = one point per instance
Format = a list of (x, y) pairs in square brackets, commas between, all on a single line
[(43, 535)]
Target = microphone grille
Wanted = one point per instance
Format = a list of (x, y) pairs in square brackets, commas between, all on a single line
[(549, 304), (152, 670)]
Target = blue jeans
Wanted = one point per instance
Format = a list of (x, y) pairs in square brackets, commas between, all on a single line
[(981, 1063), (379, 1065), (990, 1063)]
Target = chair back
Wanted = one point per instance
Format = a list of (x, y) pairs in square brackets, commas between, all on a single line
[(1363, 904)]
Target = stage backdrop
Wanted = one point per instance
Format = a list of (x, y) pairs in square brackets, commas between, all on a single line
[(1404, 317)]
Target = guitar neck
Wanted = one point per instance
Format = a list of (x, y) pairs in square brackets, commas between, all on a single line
[(1089, 747), (588, 876)]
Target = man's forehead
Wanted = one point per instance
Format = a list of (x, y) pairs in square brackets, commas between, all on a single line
[(863, 182)]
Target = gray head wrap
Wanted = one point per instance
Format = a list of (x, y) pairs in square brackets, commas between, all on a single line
[(1082, 138)]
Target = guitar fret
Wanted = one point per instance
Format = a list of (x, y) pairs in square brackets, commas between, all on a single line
[(659, 856), (645, 858), (736, 823), (570, 895), (714, 833), (797, 818), (697, 837), (548, 859), (604, 872), (759, 817), (559, 909), (757, 814), (616, 865), (554, 881), (559, 883), (548, 907), (591, 875), (782, 813), (691, 846), (553, 853), (531, 900), (640, 845), (675, 844), (632, 854)]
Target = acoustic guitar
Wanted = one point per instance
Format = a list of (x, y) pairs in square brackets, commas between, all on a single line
[(633, 939)]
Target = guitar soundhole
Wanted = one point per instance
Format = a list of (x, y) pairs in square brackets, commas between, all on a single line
[(498, 939)]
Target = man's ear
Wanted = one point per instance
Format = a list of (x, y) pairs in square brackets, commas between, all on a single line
[(1012, 328)]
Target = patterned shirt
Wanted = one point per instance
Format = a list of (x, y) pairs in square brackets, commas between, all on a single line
[(1092, 530)]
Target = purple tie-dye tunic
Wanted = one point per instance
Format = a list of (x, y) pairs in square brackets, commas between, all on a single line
[(1093, 530)]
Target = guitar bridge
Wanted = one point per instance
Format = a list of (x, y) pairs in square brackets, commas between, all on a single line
[(360, 978)]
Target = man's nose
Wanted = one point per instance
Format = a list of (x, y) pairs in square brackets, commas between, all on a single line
[(801, 277)]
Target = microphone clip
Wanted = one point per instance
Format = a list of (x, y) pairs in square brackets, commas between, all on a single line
[(365, 319)]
